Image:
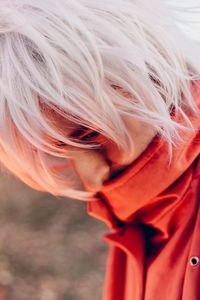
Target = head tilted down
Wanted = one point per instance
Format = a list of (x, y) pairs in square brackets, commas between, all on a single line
[(83, 81)]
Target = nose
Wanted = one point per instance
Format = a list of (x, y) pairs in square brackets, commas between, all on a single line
[(92, 169)]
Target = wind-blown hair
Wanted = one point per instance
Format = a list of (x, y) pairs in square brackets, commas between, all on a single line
[(75, 57)]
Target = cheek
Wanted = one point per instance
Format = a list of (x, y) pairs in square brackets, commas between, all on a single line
[(118, 156), (91, 168)]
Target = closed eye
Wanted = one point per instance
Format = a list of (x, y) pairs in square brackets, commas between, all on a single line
[(89, 135), (83, 134)]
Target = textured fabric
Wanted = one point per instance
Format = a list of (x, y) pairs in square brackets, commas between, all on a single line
[(153, 212)]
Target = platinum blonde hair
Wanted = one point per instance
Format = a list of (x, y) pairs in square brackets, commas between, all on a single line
[(69, 56)]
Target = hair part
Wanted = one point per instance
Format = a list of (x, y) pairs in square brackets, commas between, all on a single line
[(92, 62)]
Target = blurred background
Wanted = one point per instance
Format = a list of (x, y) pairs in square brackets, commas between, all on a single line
[(50, 249)]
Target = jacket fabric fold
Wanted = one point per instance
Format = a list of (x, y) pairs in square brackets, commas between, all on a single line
[(153, 214)]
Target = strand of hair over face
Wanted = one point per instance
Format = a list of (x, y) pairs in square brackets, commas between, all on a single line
[(92, 62)]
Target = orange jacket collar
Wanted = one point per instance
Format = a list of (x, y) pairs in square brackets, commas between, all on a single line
[(147, 177)]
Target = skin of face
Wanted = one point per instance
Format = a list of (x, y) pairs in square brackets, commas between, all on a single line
[(93, 166)]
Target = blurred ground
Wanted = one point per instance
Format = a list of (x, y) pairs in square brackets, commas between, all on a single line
[(50, 249)]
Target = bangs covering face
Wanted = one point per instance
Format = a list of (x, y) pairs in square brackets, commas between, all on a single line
[(91, 63)]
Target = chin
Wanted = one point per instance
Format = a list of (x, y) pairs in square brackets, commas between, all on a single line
[(122, 163)]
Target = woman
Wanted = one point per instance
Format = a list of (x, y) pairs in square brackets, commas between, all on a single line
[(100, 102)]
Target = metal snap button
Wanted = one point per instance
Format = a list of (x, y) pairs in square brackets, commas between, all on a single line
[(194, 261)]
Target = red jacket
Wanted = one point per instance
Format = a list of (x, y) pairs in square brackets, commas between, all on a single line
[(153, 212)]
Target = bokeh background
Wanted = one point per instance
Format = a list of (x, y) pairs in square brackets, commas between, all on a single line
[(50, 249)]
